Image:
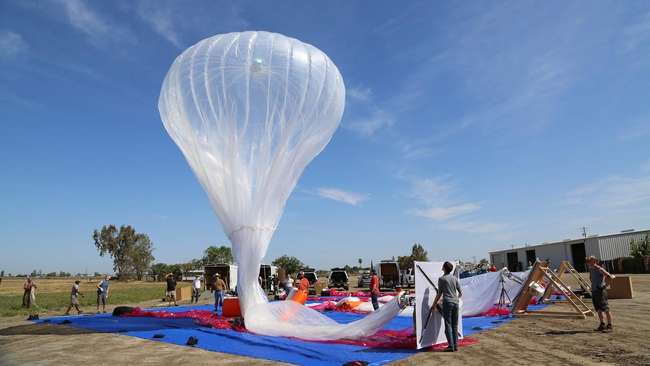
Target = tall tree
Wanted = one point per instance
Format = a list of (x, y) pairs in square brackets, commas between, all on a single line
[(640, 248), (217, 255), (289, 264), (417, 254), (141, 256), (131, 251)]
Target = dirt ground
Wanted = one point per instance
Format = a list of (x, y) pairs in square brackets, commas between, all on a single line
[(525, 340)]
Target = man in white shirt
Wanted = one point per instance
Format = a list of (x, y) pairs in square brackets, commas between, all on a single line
[(196, 289)]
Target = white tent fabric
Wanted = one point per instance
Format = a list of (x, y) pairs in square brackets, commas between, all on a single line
[(249, 111), (482, 292)]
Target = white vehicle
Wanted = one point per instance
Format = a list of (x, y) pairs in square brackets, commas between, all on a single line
[(267, 272), (338, 279), (408, 278), (192, 274), (227, 272)]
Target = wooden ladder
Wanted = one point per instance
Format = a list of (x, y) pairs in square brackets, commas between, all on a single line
[(541, 273), (565, 266), (572, 298)]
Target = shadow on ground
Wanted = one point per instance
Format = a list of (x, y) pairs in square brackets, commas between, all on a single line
[(43, 329)]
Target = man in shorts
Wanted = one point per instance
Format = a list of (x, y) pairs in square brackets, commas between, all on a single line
[(74, 298), (171, 289), (599, 293), (102, 293)]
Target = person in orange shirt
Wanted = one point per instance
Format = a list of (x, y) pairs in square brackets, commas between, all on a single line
[(303, 285), (374, 289)]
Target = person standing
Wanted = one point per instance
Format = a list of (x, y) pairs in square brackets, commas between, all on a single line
[(74, 298), (289, 282), (374, 289), (196, 289), (599, 293), (219, 289), (27, 294), (303, 285), (450, 291), (102, 293), (171, 289)]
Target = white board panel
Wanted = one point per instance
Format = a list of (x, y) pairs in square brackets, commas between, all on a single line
[(425, 293)]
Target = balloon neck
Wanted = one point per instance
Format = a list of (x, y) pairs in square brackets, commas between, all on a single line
[(234, 233)]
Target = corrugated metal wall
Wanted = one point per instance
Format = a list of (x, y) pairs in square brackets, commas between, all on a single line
[(617, 246)]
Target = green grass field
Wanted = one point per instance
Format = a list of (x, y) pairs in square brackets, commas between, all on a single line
[(54, 297)]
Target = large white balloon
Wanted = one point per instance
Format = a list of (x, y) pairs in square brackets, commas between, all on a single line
[(249, 111)]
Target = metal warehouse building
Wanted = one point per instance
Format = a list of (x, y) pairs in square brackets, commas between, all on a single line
[(604, 247)]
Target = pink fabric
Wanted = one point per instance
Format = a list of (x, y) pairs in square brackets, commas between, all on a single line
[(387, 339)]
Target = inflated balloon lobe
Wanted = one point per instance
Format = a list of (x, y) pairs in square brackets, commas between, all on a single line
[(249, 111)]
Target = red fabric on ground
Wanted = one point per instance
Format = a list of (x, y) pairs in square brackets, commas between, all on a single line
[(495, 311), (202, 317), (387, 339), (336, 293), (397, 339)]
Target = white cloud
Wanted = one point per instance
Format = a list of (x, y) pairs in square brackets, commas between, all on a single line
[(161, 20), (645, 167), (478, 227), (612, 193), (636, 34), (636, 130), (85, 19), (436, 197), (351, 198), (177, 23), (99, 28), (446, 213), (359, 94), (369, 125), (430, 191), (12, 44)]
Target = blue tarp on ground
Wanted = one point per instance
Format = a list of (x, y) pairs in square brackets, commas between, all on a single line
[(177, 331)]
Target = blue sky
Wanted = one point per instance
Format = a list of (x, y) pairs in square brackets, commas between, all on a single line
[(469, 127)]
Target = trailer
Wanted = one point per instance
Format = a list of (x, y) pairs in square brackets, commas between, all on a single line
[(227, 272), (389, 274), (267, 273)]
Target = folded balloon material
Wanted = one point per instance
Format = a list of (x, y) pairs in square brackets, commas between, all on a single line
[(249, 111), (384, 338)]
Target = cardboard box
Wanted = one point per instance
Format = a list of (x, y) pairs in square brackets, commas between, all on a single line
[(184, 293), (621, 288)]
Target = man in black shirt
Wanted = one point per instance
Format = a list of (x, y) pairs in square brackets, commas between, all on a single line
[(171, 289)]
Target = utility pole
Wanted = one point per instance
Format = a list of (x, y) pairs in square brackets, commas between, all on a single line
[(584, 232)]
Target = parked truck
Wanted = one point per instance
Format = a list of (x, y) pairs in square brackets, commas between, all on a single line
[(338, 279)]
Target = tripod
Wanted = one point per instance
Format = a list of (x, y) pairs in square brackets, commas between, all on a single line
[(503, 296)]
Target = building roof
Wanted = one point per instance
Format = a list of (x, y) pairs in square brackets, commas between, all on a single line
[(571, 241)]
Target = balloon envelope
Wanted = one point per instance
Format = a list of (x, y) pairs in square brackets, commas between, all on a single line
[(249, 111)]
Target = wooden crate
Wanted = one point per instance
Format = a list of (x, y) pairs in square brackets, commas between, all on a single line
[(184, 293)]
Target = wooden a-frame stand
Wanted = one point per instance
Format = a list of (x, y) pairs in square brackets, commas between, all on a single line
[(565, 266), (541, 273)]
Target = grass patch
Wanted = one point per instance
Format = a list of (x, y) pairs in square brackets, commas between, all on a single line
[(57, 302)]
